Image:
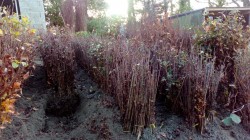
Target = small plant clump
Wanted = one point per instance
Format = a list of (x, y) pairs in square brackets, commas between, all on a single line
[(242, 100), (222, 38), (227, 40), (199, 90), (58, 56), (17, 42)]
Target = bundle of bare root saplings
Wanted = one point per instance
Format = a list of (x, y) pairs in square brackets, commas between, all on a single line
[(135, 82), (242, 107), (59, 62), (89, 55), (129, 69), (188, 80), (128, 76), (223, 38), (156, 59), (17, 43), (197, 98)]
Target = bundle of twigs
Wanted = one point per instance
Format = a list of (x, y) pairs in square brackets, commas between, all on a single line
[(127, 73), (58, 56), (242, 99), (201, 81)]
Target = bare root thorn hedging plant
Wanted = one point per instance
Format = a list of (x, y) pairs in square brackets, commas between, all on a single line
[(129, 77), (130, 68), (17, 42), (223, 38), (58, 56), (199, 89), (243, 83), (157, 59)]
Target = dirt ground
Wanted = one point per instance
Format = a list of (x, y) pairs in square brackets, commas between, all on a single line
[(97, 117)]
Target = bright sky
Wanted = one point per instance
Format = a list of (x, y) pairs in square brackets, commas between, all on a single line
[(195, 5), (117, 7), (202, 4), (120, 7)]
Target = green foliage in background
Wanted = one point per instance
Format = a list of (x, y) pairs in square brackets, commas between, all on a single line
[(52, 12), (83, 34), (105, 25), (98, 7), (184, 6)]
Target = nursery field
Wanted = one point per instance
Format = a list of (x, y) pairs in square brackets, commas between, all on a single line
[(97, 117), (152, 82)]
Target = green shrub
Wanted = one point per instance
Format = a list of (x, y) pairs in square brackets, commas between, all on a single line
[(105, 25), (83, 34), (17, 41), (222, 38)]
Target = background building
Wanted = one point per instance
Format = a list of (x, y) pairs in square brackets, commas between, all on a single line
[(196, 18), (33, 9)]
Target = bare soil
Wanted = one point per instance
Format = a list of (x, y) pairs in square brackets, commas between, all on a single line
[(97, 117)]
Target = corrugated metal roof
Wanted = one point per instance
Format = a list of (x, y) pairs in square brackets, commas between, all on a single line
[(186, 13), (212, 9), (227, 8)]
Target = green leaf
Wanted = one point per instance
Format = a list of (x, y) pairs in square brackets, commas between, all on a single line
[(235, 118), (227, 121), (14, 65)]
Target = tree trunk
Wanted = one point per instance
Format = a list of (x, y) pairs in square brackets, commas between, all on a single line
[(68, 14), (131, 11), (165, 7), (81, 15), (172, 7), (188, 3)]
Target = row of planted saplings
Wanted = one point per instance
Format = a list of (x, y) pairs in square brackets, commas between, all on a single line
[(59, 61), (132, 71)]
